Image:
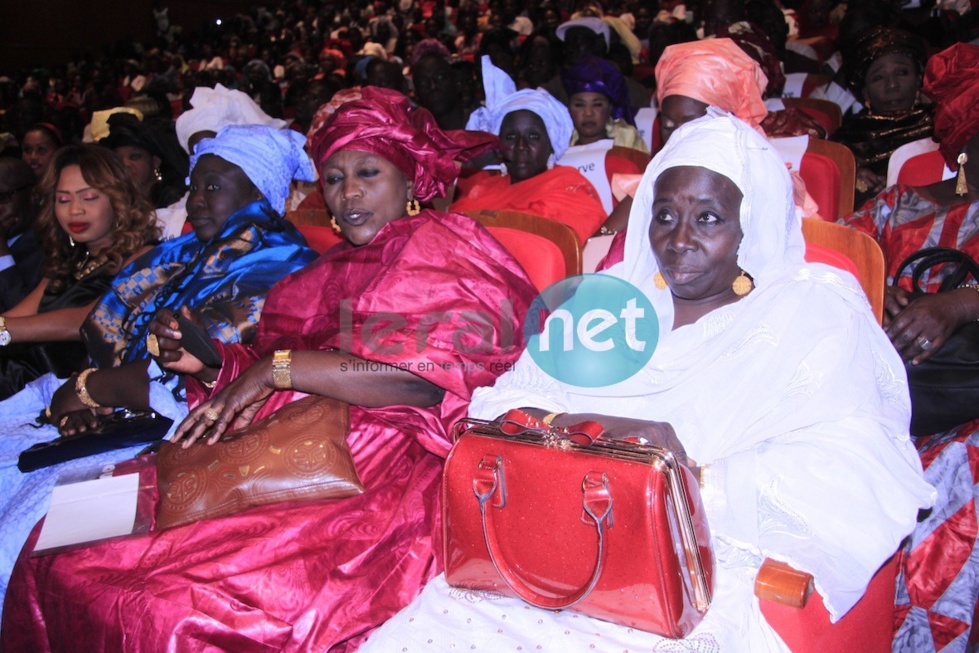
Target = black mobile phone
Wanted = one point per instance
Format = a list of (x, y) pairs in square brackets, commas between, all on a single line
[(198, 343)]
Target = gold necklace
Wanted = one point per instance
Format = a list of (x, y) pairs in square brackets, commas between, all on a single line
[(88, 266)]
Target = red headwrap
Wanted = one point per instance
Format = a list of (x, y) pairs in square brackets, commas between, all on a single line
[(717, 72), (952, 82), (385, 123)]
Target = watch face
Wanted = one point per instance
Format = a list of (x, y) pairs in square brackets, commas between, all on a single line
[(4, 338)]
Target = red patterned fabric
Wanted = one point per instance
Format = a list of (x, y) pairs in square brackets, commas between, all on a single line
[(937, 591), (561, 194), (904, 222), (308, 576)]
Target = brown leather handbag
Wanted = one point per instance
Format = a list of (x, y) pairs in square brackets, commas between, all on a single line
[(299, 452), (563, 518)]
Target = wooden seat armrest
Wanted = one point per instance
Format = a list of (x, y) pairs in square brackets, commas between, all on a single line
[(779, 582)]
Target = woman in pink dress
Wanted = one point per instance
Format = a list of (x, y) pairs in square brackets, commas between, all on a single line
[(402, 321)]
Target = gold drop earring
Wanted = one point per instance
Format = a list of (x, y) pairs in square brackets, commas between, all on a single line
[(961, 184), (742, 285), (659, 280)]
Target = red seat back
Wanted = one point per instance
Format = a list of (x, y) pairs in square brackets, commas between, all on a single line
[(813, 82), (822, 177), (819, 254), (824, 119), (922, 169), (319, 238), (540, 257), (868, 627)]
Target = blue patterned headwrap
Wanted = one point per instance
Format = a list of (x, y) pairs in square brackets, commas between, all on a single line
[(502, 98), (271, 158), (596, 75)]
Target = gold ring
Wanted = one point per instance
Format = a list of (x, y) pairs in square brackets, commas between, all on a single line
[(62, 422), (211, 415), (153, 345)]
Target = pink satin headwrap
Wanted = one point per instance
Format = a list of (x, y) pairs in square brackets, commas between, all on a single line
[(952, 82), (385, 123), (717, 72)]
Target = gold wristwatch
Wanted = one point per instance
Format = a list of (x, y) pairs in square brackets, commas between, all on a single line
[(282, 369), (4, 334)]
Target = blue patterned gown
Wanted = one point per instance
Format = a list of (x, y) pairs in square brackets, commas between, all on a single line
[(224, 280)]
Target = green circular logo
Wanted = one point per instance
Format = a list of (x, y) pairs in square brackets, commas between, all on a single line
[(591, 330)]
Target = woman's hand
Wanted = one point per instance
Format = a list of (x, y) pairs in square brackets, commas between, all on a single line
[(921, 327), (231, 408), (173, 356), (69, 414), (77, 422), (65, 400), (868, 181), (896, 299)]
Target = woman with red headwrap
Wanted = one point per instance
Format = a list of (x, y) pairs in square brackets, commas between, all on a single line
[(432, 302), (717, 72), (937, 592), (713, 72)]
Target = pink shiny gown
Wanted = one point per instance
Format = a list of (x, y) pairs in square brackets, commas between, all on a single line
[(308, 576)]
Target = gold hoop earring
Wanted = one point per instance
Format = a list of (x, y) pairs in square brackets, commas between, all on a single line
[(659, 281), (413, 208), (334, 223), (742, 285), (961, 184)]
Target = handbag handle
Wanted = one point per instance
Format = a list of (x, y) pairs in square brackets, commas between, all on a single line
[(596, 501), (927, 258)]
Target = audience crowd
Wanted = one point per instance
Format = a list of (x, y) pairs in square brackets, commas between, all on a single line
[(196, 173)]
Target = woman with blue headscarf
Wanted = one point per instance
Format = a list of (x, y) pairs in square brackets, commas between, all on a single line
[(535, 129), (239, 248), (599, 103)]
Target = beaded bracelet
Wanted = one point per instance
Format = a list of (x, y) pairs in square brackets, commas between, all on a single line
[(971, 286)]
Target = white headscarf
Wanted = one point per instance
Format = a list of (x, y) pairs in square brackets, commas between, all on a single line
[(770, 222), (214, 108), (502, 98)]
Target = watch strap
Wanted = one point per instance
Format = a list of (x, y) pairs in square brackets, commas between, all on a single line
[(282, 369)]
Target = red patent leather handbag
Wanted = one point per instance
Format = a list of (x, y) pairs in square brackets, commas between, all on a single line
[(563, 518)]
